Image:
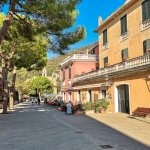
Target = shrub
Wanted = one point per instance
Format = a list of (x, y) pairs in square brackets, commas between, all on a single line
[(104, 103)]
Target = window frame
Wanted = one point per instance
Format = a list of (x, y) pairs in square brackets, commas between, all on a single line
[(69, 73), (145, 11), (123, 54), (146, 50), (105, 63), (124, 24), (105, 37)]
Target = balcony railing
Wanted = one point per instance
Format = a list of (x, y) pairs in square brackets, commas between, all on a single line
[(145, 25), (130, 64), (80, 57)]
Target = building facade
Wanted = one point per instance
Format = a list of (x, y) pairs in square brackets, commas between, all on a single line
[(74, 66), (124, 58)]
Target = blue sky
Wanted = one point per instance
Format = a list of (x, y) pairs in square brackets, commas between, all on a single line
[(90, 10)]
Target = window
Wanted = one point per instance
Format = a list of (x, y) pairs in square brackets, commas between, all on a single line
[(146, 46), (70, 96), (93, 51), (146, 10), (105, 37), (105, 61), (69, 72), (79, 96), (63, 74), (124, 24), (124, 54), (103, 93)]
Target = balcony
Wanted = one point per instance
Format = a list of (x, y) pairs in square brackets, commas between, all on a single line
[(136, 63), (89, 57), (145, 25), (123, 36)]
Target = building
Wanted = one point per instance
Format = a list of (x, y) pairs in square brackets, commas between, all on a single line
[(76, 65), (124, 58), (54, 78)]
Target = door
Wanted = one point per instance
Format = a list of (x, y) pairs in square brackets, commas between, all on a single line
[(123, 99)]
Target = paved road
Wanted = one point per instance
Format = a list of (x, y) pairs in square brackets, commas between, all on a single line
[(43, 128)]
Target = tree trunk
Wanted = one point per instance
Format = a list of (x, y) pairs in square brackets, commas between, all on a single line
[(7, 21), (4, 86), (12, 93)]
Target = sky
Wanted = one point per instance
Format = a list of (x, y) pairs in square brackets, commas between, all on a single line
[(89, 11)]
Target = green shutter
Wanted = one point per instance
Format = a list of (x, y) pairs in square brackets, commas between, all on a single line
[(105, 60), (124, 24), (143, 11), (146, 10), (146, 46), (124, 54), (105, 37)]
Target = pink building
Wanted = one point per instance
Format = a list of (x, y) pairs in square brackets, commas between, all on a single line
[(75, 65)]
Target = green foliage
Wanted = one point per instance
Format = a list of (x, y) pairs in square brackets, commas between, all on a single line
[(88, 106), (42, 84), (31, 55), (102, 103), (52, 17)]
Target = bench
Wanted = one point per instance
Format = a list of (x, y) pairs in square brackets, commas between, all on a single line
[(141, 112)]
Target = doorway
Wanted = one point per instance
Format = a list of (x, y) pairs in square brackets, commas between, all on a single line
[(123, 99)]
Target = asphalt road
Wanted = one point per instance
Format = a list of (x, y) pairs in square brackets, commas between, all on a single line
[(43, 128)]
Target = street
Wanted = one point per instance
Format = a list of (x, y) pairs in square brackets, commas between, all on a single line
[(43, 128)]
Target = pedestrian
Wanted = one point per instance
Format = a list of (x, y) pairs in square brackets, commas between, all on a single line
[(69, 108), (32, 101), (38, 101)]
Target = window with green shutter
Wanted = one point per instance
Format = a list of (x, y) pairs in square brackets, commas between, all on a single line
[(92, 51), (146, 10), (69, 72), (63, 74), (124, 24), (105, 37), (105, 61), (124, 54), (146, 46)]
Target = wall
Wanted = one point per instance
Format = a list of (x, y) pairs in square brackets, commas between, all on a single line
[(139, 90)]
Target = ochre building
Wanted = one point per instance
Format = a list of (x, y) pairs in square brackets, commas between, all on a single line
[(123, 76)]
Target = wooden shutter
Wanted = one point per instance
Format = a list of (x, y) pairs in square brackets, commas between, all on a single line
[(124, 54), (143, 11), (105, 61), (69, 72), (146, 10), (146, 46), (105, 37), (63, 74), (124, 24)]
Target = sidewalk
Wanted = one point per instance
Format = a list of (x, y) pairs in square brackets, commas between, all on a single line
[(136, 128)]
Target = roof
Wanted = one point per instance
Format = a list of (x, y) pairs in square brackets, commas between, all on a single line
[(119, 11)]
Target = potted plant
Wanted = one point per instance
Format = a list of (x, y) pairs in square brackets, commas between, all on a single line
[(103, 105)]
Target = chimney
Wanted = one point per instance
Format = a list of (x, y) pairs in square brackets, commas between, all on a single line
[(127, 1), (100, 20)]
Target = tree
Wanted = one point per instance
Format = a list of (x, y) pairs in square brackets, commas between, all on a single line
[(51, 17), (28, 54), (45, 18), (40, 84)]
